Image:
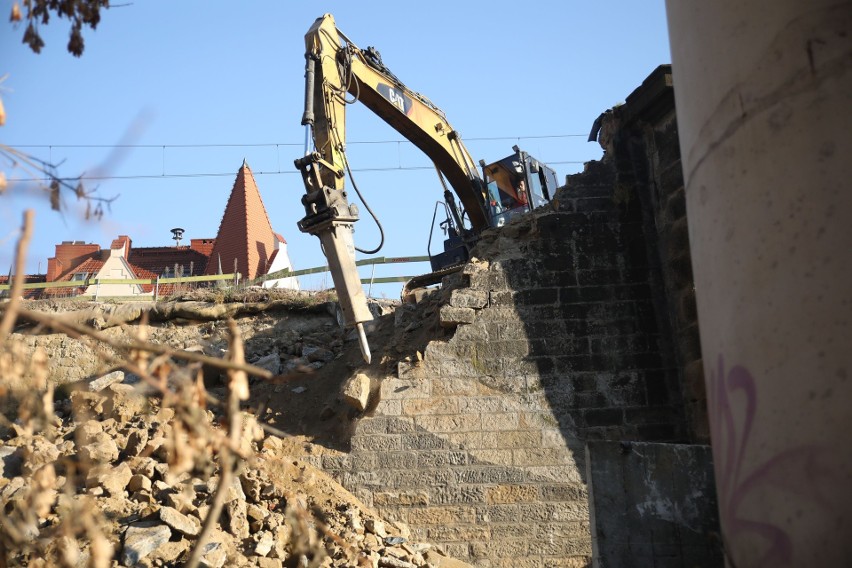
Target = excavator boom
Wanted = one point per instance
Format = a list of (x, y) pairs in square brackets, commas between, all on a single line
[(338, 73)]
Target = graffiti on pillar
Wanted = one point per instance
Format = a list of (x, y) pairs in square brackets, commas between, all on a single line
[(799, 471)]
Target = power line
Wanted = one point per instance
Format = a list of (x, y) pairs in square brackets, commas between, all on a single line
[(286, 144), (231, 174)]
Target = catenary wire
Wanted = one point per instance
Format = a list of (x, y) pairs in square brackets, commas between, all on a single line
[(231, 174), (287, 144)]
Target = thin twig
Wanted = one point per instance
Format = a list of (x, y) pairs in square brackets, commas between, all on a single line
[(11, 310), (226, 455)]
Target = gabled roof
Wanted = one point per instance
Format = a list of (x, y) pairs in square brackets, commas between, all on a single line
[(89, 267), (157, 259), (245, 233), (29, 294)]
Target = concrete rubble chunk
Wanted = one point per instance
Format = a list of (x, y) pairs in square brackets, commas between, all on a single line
[(168, 553), (271, 363), (141, 539), (10, 462), (139, 483), (124, 402), (440, 561), (184, 524), (356, 391), (113, 479), (233, 491), (391, 562), (136, 442), (315, 354), (86, 403), (214, 555), (264, 544), (181, 500), (256, 512), (376, 527), (282, 536), (36, 453), (105, 381), (100, 448), (238, 524), (252, 485)]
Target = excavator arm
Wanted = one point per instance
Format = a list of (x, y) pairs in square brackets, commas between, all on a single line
[(337, 68), (338, 73)]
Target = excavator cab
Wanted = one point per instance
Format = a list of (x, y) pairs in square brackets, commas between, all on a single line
[(516, 184)]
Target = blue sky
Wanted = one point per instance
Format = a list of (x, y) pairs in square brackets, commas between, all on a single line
[(200, 85)]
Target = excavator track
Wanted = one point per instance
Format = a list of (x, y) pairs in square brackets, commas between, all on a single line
[(428, 279)]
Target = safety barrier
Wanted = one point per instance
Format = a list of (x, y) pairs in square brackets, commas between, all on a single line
[(234, 277), (287, 273)]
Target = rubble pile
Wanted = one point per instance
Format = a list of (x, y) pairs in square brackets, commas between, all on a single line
[(115, 478)]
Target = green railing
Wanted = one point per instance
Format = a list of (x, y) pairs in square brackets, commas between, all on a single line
[(235, 277), (287, 273)]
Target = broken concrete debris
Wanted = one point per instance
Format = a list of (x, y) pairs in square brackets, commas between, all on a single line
[(278, 511)]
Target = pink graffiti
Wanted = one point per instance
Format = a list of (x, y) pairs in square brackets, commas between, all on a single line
[(797, 470)]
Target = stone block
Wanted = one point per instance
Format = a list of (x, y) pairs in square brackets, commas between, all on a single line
[(423, 442), (430, 459), (105, 381), (356, 391), (467, 298), (376, 443), (488, 475), (432, 406), (449, 423), (500, 422), (460, 533), (451, 316), (512, 494), (141, 539), (392, 389), (441, 515), (491, 457)]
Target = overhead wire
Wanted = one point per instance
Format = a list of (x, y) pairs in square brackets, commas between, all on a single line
[(276, 144), (231, 174)]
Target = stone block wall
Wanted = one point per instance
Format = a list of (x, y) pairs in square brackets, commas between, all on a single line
[(641, 141), (479, 447), (576, 323), (653, 505)]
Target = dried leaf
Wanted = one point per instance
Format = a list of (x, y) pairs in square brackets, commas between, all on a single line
[(80, 191), (16, 13), (3, 183), (2, 113), (32, 38), (54, 195), (75, 43)]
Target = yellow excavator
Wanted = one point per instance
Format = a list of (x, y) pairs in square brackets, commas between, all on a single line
[(338, 73)]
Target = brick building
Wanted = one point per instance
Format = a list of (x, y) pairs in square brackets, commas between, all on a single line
[(245, 242)]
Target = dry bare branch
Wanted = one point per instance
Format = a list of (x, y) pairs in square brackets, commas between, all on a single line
[(11, 308)]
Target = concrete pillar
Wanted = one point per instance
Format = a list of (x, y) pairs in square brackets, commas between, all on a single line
[(764, 107)]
